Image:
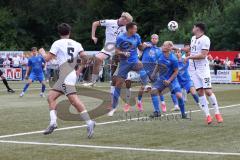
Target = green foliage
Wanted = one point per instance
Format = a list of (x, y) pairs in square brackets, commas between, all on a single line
[(25, 23)]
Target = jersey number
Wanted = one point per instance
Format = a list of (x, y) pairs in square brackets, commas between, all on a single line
[(70, 52)]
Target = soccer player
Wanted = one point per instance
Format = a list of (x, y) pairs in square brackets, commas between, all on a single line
[(113, 29), (168, 67), (126, 47), (200, 71), (66, 50), (35, 67), (184, 79), (6, 83), (150, 57)]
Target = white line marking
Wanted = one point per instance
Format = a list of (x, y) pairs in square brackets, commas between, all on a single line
[(98, 124), (123, 148)]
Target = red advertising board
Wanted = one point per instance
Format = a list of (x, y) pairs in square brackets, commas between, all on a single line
[(14, 74)]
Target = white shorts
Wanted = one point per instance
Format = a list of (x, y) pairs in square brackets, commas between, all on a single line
[(201, 78), (71, 78), (109, 50)]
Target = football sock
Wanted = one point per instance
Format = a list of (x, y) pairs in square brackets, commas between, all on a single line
[(116, 95), (6, 84), (85, 116), (94, 78), (53, 117), (43, 88), (204, 105), (162, 98), (181, 105), (174, 99), (196, 98), (25, 87), (155, 102), (214, 103), (128, 95)]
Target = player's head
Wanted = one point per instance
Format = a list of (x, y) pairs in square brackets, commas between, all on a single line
[(34, 51), (64, 29), (199, 27), (154, 39), (131, 28), (125, 18), (178, 54), (167, 46)]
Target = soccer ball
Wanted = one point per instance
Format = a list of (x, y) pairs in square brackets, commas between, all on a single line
[(172, 25)]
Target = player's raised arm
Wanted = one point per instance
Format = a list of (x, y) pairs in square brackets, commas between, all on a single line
[(47, 56), (94, 28)]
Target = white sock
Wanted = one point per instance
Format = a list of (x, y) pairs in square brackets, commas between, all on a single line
[(85, 116), (214, 103), (128, 95), (94, 78), (176, 106), (184, 95), (204, 105), (112, 89), (53, 117)]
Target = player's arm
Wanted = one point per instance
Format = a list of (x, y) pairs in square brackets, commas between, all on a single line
[(201, 55), (175, 73), (94, 28), (118, 51)]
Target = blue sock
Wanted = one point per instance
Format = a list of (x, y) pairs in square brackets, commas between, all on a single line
[(196, 98), (161, 98), (181, 105), (25, 87), (155, 102), (139, 98), (174, 99), (116, 94), (43, 87), (143, 76)]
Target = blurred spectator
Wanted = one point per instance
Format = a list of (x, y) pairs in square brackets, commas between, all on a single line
[(9, 59), (237, 60), (16, 61), (1, 61), (7, 63), (227, 64), (217, 65), (23, 62)]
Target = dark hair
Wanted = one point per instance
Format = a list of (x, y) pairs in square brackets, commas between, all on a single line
[(34, 49), (201, 25), (64, 29), (186, 44), (130, 25)]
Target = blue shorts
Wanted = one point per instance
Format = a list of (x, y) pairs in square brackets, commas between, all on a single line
[(186, 85), (37, 76), (125, 67), (174, 86)]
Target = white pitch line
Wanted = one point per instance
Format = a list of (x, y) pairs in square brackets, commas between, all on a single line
[(123, 148), (98, 124)]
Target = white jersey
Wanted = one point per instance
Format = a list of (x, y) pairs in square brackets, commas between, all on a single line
[(197, 45), (65, 50), (112, 30)]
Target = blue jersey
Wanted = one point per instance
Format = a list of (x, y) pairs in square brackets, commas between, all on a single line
[(183, 75), (36, 64), (151, 54), (167, 65), (129, 44)]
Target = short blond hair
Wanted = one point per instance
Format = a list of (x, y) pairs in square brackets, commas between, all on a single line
[(127, 16), (170, 43), (154, 35)]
